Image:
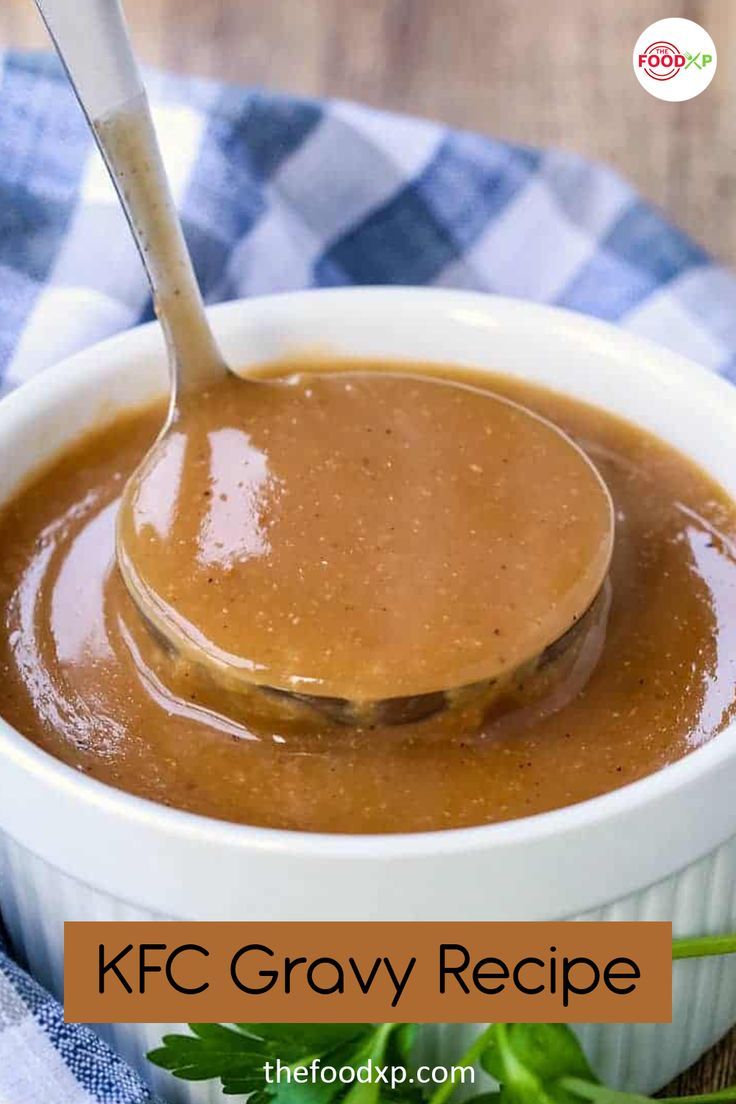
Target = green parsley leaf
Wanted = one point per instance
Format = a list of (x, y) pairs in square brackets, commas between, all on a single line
[(530, 1062)]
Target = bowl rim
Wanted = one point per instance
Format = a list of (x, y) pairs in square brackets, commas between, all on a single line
[(145, 340)]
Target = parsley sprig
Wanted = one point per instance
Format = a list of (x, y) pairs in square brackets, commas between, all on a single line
[(237, 1054), (531, 1063)]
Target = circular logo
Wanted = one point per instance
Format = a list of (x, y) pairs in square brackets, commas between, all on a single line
[(675, 59)]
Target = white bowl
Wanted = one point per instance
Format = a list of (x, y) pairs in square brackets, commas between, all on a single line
[(663, 848)]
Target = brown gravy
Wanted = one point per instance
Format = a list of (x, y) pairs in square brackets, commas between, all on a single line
[(81, 680), (365, 535)]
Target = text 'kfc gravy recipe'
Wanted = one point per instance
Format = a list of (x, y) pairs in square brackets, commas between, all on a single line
[(426, 607)]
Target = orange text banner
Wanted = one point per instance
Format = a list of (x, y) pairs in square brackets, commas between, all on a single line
[(368, 972)]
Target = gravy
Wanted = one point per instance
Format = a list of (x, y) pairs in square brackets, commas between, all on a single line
[(81, 678), (364, 535)]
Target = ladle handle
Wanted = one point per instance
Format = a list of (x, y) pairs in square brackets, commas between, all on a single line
[(92, 40)]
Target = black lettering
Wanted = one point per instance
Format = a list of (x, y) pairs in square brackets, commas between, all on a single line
[(112, 965), (325, 990), (399, 983), (454, 970), (481, 974), (189, 991), (633, 975), (271, 974), (144, 968), (288, 967), (528, 989), (364, 984), (568, 965)]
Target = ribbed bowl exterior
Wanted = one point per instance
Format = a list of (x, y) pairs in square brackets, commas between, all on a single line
[(36, 899)]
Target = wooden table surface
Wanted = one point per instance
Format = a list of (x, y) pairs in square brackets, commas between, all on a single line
[(551, 73)]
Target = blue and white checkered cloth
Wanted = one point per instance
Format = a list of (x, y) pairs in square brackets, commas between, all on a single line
[(279, 193)]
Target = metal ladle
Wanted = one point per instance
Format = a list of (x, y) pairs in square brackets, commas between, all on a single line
[(92, 40)]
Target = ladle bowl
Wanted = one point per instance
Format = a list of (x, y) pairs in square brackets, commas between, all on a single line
[(457, 576)]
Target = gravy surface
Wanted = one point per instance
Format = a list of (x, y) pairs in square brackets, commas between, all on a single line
[(365, 535), (82, 680)]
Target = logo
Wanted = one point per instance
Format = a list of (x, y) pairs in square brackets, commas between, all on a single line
[(675, 59)]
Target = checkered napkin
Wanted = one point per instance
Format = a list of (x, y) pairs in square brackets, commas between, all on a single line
[(279, 193)]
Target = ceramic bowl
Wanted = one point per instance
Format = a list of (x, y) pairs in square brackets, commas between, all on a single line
[(663, 848)]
